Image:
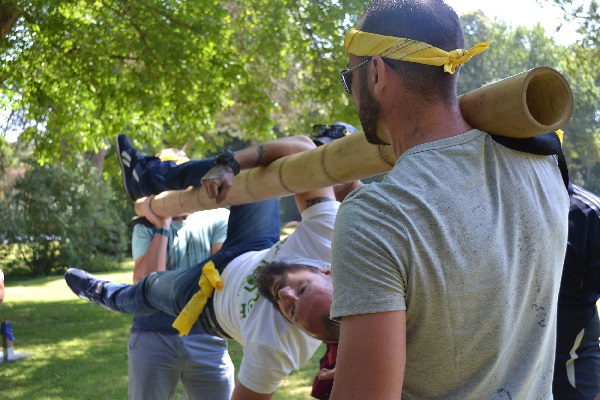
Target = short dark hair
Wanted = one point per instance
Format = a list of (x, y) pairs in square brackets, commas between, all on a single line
[(430, 21), (265, 277)]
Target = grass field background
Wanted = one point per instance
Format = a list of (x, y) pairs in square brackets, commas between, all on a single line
[(78, 350)]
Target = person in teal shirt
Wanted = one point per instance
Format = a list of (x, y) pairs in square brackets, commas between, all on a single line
[(157, 357)]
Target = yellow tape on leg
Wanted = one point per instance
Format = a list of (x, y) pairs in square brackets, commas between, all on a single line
[(209, 281)]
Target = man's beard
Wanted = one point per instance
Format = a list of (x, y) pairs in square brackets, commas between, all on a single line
[(368, 113)]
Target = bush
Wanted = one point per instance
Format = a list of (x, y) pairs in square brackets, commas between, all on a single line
[(59, 216)]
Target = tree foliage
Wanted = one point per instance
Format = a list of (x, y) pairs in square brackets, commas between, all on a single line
[(514, 50), (173, 73), (583, 65), (60, 216), (12, 164), (76, 73), (585, 13)]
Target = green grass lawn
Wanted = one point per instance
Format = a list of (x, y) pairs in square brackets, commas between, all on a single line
[(78, 350)]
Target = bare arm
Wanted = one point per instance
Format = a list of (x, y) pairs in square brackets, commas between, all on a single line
[(341, 191), (275, 149), (325, 374), (155, 258), (337, 192), (219, 179), (241, 392), (215, 247), (371, 357), (1, 291), (265, 153)]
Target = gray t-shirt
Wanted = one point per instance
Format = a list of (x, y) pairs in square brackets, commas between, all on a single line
[(468, 237)]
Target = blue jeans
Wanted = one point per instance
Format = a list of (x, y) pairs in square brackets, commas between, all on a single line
[(251, 227), (159, 176)]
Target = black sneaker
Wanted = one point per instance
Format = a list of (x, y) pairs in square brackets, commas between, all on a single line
[(132, 164), (86, 286)]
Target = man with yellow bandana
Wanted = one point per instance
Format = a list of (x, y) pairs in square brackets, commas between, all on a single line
[(446, 273)]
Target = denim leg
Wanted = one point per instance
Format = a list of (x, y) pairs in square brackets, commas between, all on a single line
[(159, 176), (167, 291), (251, 227)]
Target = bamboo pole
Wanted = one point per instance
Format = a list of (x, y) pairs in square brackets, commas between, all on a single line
[(341, 161), (525, 105)]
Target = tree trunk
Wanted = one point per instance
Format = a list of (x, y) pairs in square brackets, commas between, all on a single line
[(9, 14), (97, 159)]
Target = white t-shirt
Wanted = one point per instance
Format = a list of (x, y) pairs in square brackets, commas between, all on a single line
[(1, 275), (273, 347)]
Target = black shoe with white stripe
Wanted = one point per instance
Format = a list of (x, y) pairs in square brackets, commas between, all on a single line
[(132, 164), (86, 286)]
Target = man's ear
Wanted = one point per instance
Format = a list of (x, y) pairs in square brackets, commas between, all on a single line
[(326, 272), (380, 74)]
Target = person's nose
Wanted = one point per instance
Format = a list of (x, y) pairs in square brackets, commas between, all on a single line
[(287, 294)]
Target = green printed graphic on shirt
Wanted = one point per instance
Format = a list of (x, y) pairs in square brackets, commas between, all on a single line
[(250, 284)]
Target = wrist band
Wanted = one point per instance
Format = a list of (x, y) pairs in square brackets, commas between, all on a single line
[(226, 158), (161, 231)]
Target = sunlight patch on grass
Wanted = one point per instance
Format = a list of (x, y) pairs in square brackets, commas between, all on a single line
[(79, 350), (54, 288)]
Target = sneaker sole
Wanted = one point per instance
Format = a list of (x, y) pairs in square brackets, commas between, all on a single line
[(82, 297)]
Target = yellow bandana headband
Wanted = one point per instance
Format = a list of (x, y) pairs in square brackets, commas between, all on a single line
[(370, 44)]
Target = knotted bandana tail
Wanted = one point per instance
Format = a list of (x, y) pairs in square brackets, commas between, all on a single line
[(209, 281)]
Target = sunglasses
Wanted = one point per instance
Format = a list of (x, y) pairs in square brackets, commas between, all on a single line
[(346, 75), (332, 131)]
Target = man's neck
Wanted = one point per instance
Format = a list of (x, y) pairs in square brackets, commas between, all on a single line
[(423, 123)]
